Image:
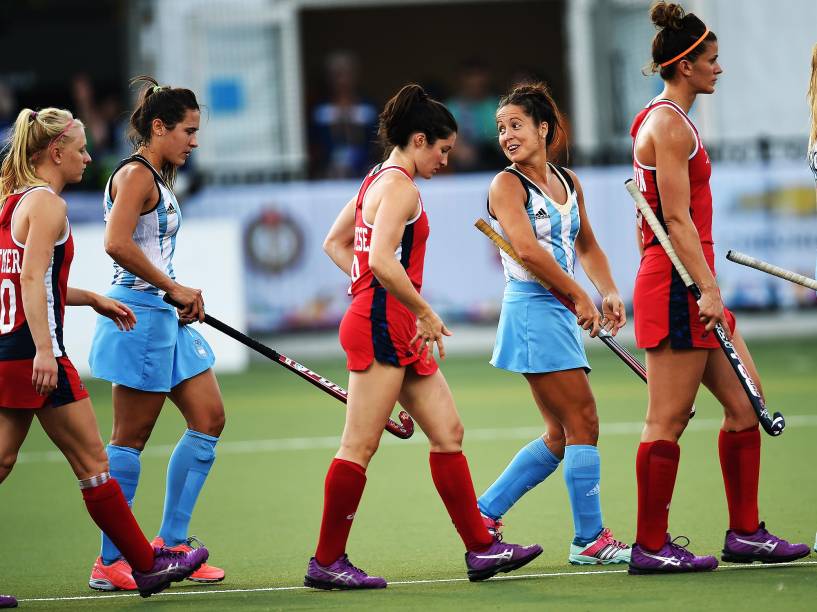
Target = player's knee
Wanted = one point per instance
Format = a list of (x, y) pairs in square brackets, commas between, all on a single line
[(583, 423), (456, 433), (209, 420), (555, 441), (217, 420), (7, 461), (359, 451), (92, 462), (448, 438), (130, 435), (739, 411), (666, 427)]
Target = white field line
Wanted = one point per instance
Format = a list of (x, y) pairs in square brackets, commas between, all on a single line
[(243, 447), (216, 591)]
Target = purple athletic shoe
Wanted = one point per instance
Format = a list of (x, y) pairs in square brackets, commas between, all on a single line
[(168, 566), (760, 546), (671, 559), (340, 575), (500, 557), (8, 601)]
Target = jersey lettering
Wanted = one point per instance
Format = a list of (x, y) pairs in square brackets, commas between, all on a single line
[(362, 239), (9, 261)]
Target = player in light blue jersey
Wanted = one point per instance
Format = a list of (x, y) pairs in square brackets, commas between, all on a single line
[(539, 207), (162, 356)]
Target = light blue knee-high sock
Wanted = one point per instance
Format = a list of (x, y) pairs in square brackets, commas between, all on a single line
[(124, 466), (531, 465), (582, 476), (188, 468)]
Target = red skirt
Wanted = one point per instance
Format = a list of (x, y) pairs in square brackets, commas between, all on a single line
[(16, 390), (378, 326), (663, 306)]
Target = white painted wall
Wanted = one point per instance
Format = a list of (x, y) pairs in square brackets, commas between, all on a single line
[(208, 256)]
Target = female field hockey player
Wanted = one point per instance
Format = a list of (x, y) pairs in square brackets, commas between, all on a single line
[(539, 207), (46, 152), (812, 135), (672, 170), (162, 356), (389, 333)]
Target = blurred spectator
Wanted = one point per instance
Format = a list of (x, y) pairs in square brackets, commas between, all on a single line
[(474, 108), (8, 108), (104, 126), (344, 126)]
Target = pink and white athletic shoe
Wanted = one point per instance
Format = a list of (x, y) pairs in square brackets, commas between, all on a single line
[(604, 550)]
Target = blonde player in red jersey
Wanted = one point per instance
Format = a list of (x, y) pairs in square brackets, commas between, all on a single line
[(812, 134), (672, 170), (46, 152), (389, 333)]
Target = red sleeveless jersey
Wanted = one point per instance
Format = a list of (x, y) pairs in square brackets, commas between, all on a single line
[(662, 305), (411, 252), (378, 326), (15, 337), (700, 170)]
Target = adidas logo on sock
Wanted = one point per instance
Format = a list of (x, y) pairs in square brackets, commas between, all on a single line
[(541, 214), (594, 491)]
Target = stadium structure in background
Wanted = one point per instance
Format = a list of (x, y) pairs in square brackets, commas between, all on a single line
[(268, 71), (277, 78)]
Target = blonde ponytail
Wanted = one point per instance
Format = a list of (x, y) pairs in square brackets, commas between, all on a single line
[(812, 100), (33, 133)]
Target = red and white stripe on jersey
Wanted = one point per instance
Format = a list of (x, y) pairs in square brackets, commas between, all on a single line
[(700, 170), (15, 337), (410, 252)]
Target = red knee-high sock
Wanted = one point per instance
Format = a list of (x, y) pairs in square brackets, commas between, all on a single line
[(656, 467), (453, 481), (740, 464), (110, 511), (341, 495)]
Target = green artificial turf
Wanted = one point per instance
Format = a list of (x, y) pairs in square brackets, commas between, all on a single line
[(260, 510)]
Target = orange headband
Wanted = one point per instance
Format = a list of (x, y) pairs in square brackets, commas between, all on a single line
[(685, 51)]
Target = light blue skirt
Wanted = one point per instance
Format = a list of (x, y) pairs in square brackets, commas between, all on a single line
[(156, 355), (536, 333)]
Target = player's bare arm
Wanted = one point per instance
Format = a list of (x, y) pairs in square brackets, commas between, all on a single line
[(398, 203), (133, 193), (115, 310), (506, 198), (40, 225), (597, 267), (671, 162), (339, 242)]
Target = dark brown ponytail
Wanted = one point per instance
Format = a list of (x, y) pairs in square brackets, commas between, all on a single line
[(412, 110)]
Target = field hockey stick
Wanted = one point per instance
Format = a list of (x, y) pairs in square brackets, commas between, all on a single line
[(403, 430), (768, 268), (772, 426), (605, 336)]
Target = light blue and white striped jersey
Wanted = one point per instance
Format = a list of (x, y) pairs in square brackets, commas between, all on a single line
[(155, 232), (554, 225)]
